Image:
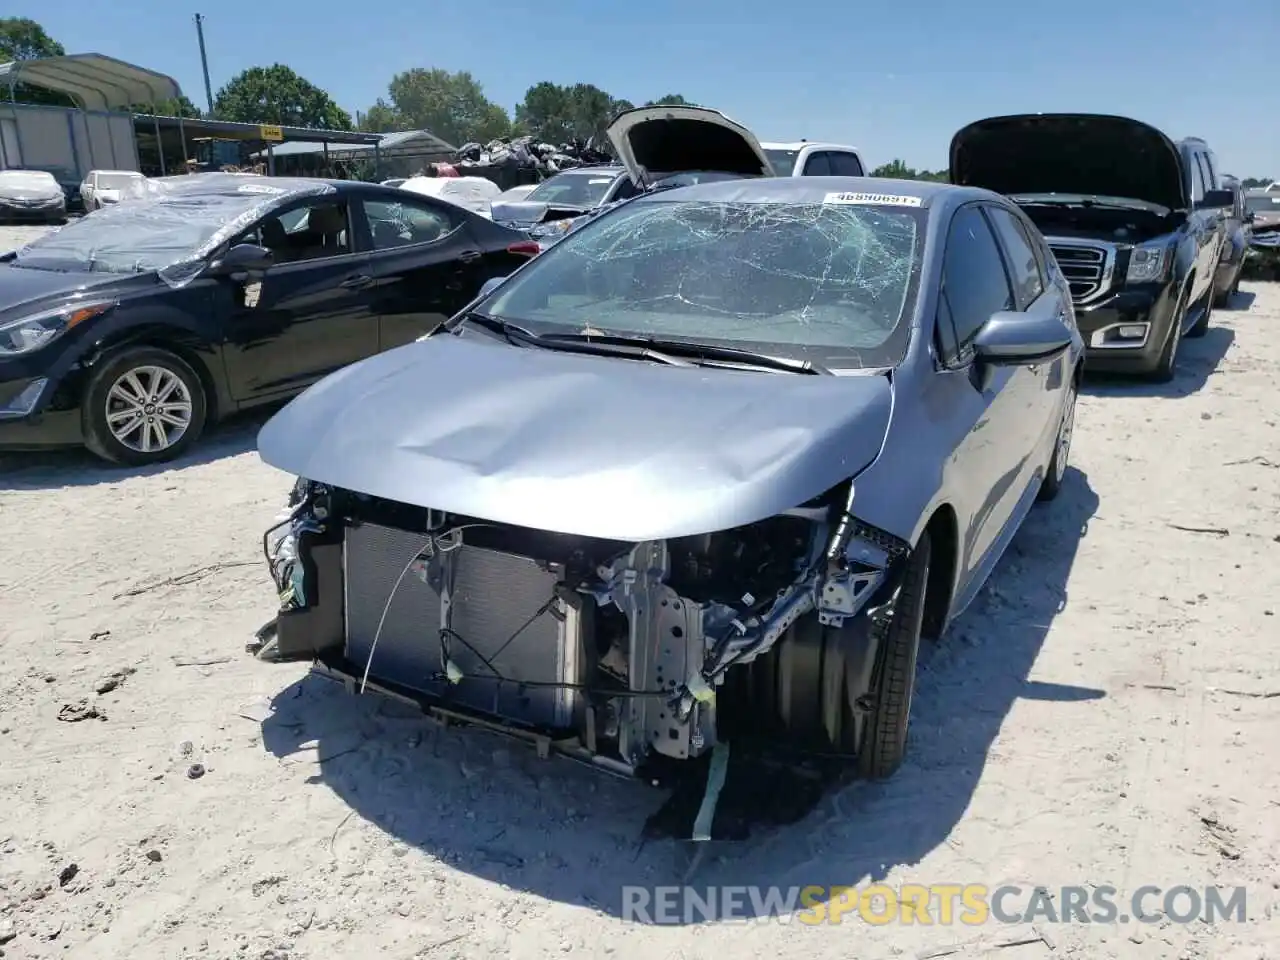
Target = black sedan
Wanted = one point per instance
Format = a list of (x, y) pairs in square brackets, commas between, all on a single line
[(131, 329)]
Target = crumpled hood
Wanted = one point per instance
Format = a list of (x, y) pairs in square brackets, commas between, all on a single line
[(584, 445), (527, 212), (655, 141), (1090, 154)]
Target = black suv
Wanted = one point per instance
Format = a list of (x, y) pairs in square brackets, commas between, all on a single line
[(1136, 222)]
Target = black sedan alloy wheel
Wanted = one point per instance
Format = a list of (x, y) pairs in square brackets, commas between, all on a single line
[(143, 405)]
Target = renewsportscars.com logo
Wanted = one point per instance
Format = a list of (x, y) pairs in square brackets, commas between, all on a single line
[(942, 904)]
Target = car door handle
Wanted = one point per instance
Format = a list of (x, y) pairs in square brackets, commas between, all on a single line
[(357, 282), (470, 256)]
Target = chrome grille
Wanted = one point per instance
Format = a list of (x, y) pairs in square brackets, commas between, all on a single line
[(1084, 267)]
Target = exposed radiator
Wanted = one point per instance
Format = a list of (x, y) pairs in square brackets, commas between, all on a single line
[(494, 595)]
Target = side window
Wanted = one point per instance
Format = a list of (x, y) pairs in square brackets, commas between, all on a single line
[(845, 165), (1024, 266), (974, 283), (817, 165), (625, 190), (399, 223), (1197, 176), (310, 232), (1210, 170)]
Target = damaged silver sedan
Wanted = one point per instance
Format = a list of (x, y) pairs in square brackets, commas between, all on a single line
[(705, 471)]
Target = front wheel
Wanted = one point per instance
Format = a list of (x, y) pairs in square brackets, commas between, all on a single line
[(1057, 472), (1167, 365), (883, 743), (143, 405), (818, 689)]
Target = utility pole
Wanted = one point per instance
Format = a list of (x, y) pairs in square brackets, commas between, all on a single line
[(204, 63)]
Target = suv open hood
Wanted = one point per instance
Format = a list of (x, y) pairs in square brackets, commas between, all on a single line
[(653, 142), (1080, 153)]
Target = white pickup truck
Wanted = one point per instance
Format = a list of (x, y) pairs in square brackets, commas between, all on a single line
[(807, 158)]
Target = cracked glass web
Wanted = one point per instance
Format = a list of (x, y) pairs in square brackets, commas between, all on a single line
[(811, 274)]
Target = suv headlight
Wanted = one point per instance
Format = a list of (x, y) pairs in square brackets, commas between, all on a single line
[(29, 333), (1147, 263)]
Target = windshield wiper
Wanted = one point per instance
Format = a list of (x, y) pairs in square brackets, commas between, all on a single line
[(1080, 202), (522, 336), (701, 351), (512, 331)]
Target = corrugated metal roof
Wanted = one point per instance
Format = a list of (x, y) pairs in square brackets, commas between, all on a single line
[(97, 81), (423, 140)]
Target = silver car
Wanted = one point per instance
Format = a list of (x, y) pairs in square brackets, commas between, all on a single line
[(709, 466), (31, 195)]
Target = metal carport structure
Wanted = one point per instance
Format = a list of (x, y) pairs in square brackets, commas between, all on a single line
[(258, 138)]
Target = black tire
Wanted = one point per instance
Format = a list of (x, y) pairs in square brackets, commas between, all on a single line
[(1057, 472), (800, 692), (99, 401), (1166, 367), (884, 732), (1202, 325)]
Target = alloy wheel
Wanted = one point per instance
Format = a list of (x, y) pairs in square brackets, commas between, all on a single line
[(149, 409)]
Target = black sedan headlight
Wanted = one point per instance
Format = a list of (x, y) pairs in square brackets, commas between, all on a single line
[(31, 332)]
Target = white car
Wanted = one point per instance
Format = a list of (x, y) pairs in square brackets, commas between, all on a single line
[(31, 195), (472, 193), (101, 187), (808, 158)]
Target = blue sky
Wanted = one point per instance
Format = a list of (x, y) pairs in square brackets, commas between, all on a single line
[(895, 79)]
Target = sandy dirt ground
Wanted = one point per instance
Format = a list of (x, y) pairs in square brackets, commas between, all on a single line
[(1107, 714)]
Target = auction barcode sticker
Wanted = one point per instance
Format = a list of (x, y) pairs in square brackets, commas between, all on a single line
[(876, 199)]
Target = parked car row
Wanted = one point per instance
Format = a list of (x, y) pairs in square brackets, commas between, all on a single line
[(707, 466)]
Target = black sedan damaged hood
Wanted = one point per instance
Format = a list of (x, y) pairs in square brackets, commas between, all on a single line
[(586, 445), (1087, 154)]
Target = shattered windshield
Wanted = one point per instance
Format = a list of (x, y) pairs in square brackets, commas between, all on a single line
[(175, 221), (829, 281), (573, 189)]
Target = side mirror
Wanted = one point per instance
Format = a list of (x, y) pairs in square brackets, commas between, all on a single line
[(242, 258), (1017, 340), (490, 285), (1216, 198)]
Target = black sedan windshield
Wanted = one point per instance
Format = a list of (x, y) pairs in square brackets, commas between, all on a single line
[(828, 282), (177, 220)]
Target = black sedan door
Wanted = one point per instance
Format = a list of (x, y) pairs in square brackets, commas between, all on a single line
[(313, 310), (429, 260)]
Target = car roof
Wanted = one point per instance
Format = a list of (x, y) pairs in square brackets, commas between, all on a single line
[(801, 144), (808, 190), (127, 173)]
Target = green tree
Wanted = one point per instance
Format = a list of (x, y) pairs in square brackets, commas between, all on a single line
[(181, 107), (277, 95), (670, 99), (897, 170), (381, 118), (24, 39), (1254, 183), (558, 114), (450, 105)]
